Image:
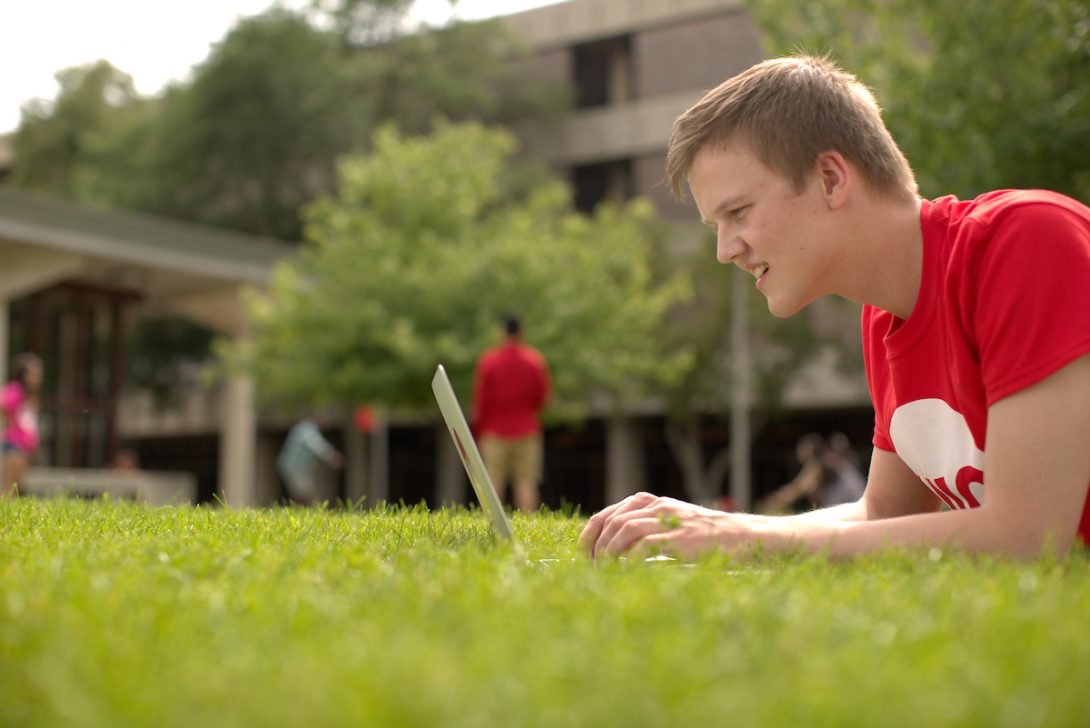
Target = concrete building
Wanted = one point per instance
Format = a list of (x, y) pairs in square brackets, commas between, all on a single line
[(633, 67)]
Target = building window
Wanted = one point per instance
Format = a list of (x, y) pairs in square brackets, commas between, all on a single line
[(593, 183), (603, 72)]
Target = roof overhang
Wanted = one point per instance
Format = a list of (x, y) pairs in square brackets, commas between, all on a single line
[(192, 270)]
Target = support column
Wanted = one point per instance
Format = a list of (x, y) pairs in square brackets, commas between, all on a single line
[(265, 475), (222, 310), (238, 443), (378, 485), (625, 471), (5, 333), (4, 354), (741, 369), (355, 465)]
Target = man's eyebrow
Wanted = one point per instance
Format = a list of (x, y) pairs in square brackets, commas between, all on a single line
[(728, 202)]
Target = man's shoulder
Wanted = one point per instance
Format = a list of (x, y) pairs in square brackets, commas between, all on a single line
[(1031, 205), (531, 352), (489, 356), (304, 425), (1005, 222), (532, 356)]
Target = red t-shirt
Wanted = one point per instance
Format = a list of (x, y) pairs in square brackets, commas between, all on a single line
[(1004, 302), (511, 387)]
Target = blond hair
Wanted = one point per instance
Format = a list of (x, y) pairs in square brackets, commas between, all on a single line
[(788, 111)]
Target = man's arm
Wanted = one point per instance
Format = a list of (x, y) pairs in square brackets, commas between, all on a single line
[(316, 442), (1037, 464), (893, 490)]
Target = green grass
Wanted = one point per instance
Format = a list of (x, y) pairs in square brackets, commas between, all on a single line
[(117, 614)]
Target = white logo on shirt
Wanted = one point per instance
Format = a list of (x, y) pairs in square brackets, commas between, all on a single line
[(934, 440)]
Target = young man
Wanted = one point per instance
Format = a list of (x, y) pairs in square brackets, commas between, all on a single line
[(976, 326), (511, 385)]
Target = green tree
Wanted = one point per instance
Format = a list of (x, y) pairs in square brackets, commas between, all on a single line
[(426, 242), (56, 139), (258, 131), (251, 139), (979, 94)]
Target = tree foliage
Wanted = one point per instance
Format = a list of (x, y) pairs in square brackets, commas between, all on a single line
[(257, 132), (55, 140), (427, 241), (979, 94), (252, 138)]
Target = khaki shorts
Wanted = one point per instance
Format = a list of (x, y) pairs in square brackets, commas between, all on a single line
[(517, 459)]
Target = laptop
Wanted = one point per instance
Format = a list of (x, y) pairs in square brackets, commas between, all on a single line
[(474, 465), (471, 456)]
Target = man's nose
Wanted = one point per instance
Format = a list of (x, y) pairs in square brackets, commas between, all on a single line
[(728, 247)]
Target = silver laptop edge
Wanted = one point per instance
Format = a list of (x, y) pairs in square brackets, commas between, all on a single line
[(470, 455)]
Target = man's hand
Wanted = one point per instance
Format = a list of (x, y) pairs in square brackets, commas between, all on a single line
[(649, 525)]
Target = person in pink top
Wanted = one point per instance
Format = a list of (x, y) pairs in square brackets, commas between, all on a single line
[(511, 386), (19, 404)]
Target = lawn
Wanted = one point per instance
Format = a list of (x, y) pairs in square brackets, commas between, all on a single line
[(118, 614)]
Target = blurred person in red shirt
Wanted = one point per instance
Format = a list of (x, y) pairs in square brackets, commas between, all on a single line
[(511, 386)]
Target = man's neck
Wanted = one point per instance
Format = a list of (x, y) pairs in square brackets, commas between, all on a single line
[(887, 256)]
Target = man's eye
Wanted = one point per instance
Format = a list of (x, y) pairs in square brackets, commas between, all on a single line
[(737, 212)]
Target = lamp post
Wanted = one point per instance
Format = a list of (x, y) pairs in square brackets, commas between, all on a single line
[(741, 377)]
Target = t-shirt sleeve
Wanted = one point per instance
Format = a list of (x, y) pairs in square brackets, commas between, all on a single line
[(881, 438), (1030, 301)]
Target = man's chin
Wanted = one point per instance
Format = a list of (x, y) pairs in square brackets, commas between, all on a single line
[(777, 309), (785, 309)]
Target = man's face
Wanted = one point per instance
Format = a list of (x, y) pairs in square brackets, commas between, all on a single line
[(764, 226)]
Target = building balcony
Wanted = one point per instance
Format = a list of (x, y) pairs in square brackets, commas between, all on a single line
[(620, 131)]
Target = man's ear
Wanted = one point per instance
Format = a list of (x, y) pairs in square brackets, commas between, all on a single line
[(835, 176)]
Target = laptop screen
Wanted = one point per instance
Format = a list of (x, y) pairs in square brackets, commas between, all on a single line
[(470, 455)]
